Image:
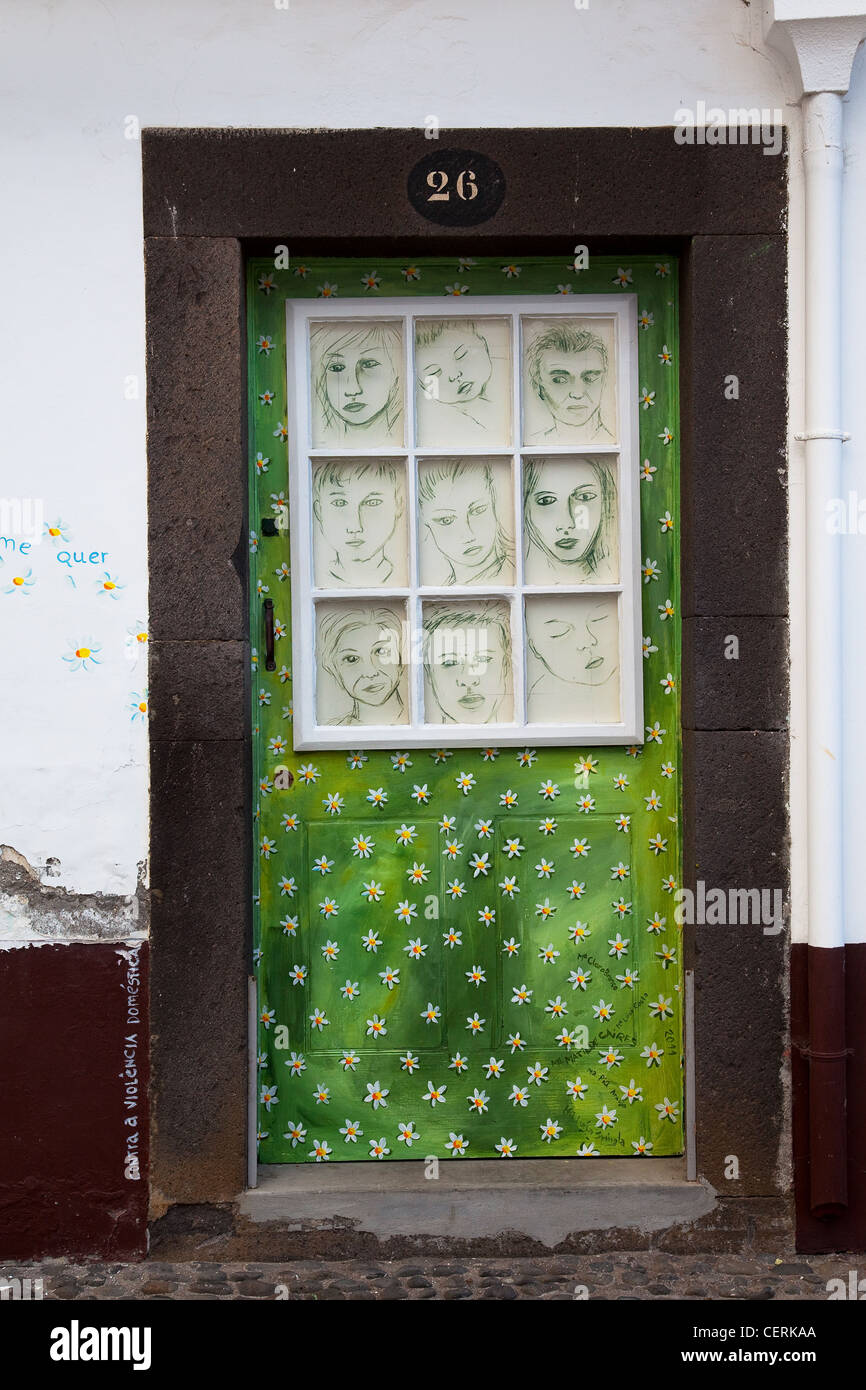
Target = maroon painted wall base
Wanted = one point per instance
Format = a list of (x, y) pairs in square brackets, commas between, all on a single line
[(846, 1231), (73, 1157)]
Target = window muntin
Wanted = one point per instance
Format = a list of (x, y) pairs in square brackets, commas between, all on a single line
[(464, 516)]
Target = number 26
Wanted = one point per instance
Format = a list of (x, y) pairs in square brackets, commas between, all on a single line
[(467, 188)]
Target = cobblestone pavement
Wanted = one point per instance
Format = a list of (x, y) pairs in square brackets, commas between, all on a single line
[(639, 1275)]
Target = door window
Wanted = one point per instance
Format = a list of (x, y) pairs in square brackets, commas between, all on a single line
[(465, 521)]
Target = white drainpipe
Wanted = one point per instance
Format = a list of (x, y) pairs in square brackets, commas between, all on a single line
[(821, 38), (828, 1146), (822, 160)]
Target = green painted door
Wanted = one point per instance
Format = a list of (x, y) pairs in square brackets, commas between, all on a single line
[(466, 950)]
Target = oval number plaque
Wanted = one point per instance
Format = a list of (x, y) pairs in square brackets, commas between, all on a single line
[(456, 188)]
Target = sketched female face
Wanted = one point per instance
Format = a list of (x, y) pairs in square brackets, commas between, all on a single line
[(359, 376), (578, 644), (469, 670), (454, 368), (357, 509), (461, 520), (563, 507), (365, 661)]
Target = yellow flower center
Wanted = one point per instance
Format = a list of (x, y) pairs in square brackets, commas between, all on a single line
[(18, 581), (109, 584), (82, 652)]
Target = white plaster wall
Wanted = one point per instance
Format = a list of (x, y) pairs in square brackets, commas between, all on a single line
[(74, 765)]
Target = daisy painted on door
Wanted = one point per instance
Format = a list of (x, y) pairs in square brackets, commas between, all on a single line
[(466, 940)]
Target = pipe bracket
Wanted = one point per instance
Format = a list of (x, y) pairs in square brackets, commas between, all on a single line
[(823, 434)]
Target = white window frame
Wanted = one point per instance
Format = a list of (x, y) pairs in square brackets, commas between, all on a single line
[(308, 735)]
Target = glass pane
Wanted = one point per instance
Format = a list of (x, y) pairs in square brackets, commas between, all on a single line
[(462, 382), (568, 374), (466, 526), (360, 663), (570, 521), (467, 663), (572, 659), (359, 523), (356, 385)]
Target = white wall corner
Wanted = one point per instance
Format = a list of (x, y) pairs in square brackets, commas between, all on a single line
[(818, 38)]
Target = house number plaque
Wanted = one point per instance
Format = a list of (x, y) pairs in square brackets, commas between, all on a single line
[(456, 188)]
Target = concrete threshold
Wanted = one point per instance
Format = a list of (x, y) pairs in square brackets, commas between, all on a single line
[(542, 1199)]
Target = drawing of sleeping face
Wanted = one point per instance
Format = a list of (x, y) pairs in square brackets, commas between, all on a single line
[(461, 521), (357, 510), (563, 506), (468, 669), (364, 658), (455, 368), (577, 643)]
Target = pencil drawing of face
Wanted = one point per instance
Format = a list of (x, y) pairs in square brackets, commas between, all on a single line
[(569, 514), (467, 664), (579, 645), (567, 370), (356, 378), (357, 508), (462, 382), (575, 645), (460, 516), (452, 361), (361, 649)]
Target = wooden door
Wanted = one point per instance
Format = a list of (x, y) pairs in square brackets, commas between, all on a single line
[(464, 511)]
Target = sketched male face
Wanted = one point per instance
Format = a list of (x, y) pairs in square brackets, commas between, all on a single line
[(571, 383), (357, 511), (468, 669)]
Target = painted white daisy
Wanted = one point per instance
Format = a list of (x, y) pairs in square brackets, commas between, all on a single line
[(376, 1095)]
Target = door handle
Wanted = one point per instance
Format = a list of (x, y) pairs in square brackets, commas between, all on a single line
[(270, 662)]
